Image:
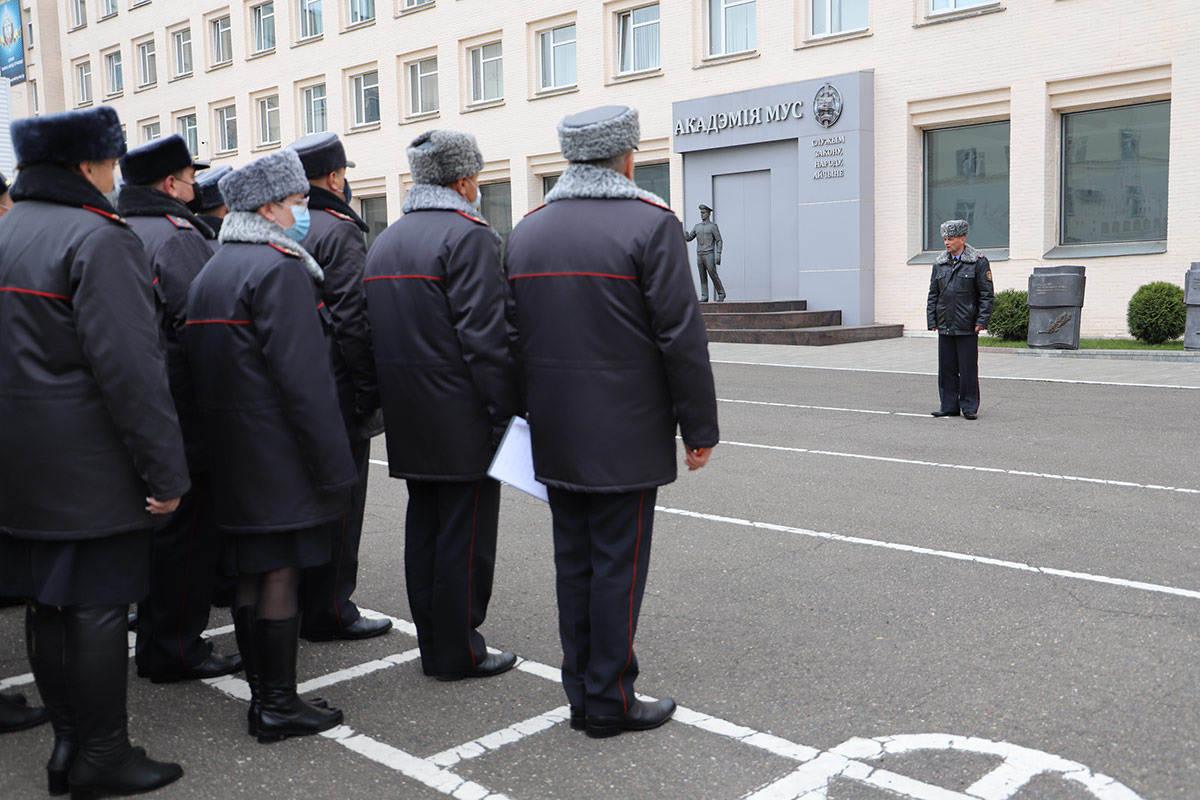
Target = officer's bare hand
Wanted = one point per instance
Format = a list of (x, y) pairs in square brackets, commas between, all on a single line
[(978, 328), (696, 457), (161, 506)]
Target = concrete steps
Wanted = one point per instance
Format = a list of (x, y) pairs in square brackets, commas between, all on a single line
[(786, 322)]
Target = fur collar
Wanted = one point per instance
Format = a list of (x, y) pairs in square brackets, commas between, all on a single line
[(592, 181), (250, 227), (427, 197), (320, 199), (143, 201), (54, 184), (969, 256)]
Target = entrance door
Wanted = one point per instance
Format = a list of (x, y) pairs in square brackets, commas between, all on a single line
[(742, 210)]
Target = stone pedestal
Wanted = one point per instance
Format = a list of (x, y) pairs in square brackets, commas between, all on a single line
[(1191, 298), (1055, 305)]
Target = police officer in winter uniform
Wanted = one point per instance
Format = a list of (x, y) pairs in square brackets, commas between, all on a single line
[(958, 308), (92, 448), (614, 357), (208, 204), (708, 253), (435, 295), (335, 240), (159, 179), (258, 341)]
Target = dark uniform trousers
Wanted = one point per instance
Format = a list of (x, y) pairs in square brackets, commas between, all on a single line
[(601, 556), (449, 562), (183, 574), (958, 372), (325, 591)]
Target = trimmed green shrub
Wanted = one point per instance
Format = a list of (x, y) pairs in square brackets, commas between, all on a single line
[(1157, 313), (1010, 315)]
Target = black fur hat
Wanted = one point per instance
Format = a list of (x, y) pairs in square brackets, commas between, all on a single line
[(69, 137), (153, 161), (321, 154), (208, 189), (3, 185)]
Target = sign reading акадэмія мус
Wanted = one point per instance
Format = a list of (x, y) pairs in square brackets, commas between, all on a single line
[(12, 42)]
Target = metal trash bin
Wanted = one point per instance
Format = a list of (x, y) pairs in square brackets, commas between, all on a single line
[(1055, 305), (1191, 298)]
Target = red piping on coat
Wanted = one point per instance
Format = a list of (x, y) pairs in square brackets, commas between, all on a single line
[(402, 277), (218, 322), (31, 291), (581, 274)]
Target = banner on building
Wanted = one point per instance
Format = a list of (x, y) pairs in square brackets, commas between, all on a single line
[(12, 41)]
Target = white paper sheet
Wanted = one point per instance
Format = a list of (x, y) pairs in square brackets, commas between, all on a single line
[(513, 463)]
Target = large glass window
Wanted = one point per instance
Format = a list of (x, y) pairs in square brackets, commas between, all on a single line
[(316, 111), (487, 73), (147, 64), (264, 27), (731, 27), (222, 41), (268, 120), (83, 82), (114, 73), (966, 177), (496, 206), (830, 17), (227, 128), (374, 213), (186, 125), (361, 11), (181, 46), (638, 42), (423, 86), (654, 178), (1114, 177), (311, 21), (936, 6), (558, 57), (365, 88)]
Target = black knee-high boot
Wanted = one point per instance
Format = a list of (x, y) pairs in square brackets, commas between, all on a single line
[(282, 712), (96, 664), (46, 645), (243, 631)]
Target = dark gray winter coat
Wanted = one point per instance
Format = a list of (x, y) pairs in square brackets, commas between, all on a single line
[(960, 294)]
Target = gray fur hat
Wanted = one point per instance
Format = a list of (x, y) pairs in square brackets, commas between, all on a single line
[(267, 180), (954, 227), (442, 157), (599, 133)]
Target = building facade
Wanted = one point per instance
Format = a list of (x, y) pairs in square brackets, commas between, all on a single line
[(1063, 130)]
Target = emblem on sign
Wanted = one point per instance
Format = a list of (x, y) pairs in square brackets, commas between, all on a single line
[(828, 105)]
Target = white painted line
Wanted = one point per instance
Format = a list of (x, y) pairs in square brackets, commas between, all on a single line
[(16, 680), (350, 673), (497, 739), (823, 408), (950, 554), (968, 467)]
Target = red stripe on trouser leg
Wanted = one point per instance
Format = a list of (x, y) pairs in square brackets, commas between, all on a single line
[(632, 589), (470, 564)]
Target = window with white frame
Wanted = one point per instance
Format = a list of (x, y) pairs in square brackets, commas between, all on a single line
[(558, 57), (108, 8), (83, 82), (227, 140), (311, 21), (939, 6), (268, 120), (361, 11), (365, 89), (263, 23), (731, 27), (316, 109), (151, 131), (33, 93), (181, 48), (222, 40), (186, 126), (487, 73), (78, 13), (423, 86), (416, 3), (147, 64), (831, 17), (638, 40), (113, 73)]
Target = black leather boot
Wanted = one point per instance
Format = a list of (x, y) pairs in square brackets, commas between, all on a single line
[(243, 631), (96, 663), (46, 646), (282, 712), (17, 715)]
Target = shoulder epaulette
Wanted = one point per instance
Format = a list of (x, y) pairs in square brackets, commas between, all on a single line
[(656, 205), (180, 222), (340, 215), (476, 220), (117, 218), (287, 251), (539, 208)]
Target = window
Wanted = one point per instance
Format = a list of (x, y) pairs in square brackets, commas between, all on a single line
[(311, 22), (423, 86), (487, 73), (113, 73), (108, 8), (147, 64), (361, 11), (654, 178), (374, 213), (548, 183), (181, 46), (1114, 176), (731, 27), (365, 88), (151, 131), (558, 57), (938, 6), (264, 27), (316, 116), (222, 41), (186, 126), (227, 129), (78, 13), (830, 17), (83, 82), (966, 177), (268, 120), (34, 95), (416, 3), (495, 203), (638, 40)]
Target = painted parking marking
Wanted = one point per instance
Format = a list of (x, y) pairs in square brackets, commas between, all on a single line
[(823, 408)]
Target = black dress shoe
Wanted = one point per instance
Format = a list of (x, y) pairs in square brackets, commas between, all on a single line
[(494, 664), (969, 415), (214, 666), (943, 413), (641, 716), (16, 715), (361, 628), (578, 719)]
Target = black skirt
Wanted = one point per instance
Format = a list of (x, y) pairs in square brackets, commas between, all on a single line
[(255, 553), (111, 570)]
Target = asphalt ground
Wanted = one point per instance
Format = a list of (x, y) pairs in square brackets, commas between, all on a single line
[(846, 605)]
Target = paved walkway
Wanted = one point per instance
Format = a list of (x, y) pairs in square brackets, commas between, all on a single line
[(918, 355)]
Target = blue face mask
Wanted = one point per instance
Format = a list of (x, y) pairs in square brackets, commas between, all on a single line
[(299, 227), (477, 203)]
